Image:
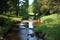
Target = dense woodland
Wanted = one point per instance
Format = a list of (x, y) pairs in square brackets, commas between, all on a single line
[(40, 7)]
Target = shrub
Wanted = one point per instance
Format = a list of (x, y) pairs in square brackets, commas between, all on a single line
[(41, 28), (48, 20), (52, 33)]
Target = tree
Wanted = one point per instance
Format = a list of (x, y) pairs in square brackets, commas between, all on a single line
[(3, 6), (46, 7), (24, 9), (37, 11)]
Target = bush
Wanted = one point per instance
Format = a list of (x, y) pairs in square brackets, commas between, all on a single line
[(41, 28), (52, 33), (48, 20)]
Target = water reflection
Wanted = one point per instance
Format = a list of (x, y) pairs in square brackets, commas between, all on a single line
[(27, 33)]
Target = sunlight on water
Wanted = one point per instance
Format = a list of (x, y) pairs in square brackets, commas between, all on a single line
[(30, 24), (26, 33)]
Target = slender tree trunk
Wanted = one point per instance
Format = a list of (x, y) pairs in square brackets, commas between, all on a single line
[(17, 8)]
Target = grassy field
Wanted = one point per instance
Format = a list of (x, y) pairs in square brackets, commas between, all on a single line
[(51, 27), (53, 16), (51, 19)]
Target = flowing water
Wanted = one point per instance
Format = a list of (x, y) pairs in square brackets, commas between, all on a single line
[(27, 33)]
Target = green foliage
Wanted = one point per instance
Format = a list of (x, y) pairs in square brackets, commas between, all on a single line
[(12, 8), (58, 21), (48, 20), (52, 16), (23, 10), (52, 33), (52, 27), (46, 7), (4, 6), (51, 19), (41, 28), (5, 26), (7, 23)]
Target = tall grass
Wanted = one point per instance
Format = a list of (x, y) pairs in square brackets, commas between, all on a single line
[(52, 31)]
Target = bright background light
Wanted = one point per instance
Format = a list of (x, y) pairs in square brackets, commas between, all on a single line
[(30, 2)]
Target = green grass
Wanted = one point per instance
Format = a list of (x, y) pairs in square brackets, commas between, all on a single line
[(53, 16), (51, 27), (52, 33), (51, 19)]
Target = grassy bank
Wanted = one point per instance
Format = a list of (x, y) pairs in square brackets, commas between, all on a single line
[(52, 31), (7, 22), (51, 27)]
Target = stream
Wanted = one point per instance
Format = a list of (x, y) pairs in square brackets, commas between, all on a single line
[(27, 33)]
